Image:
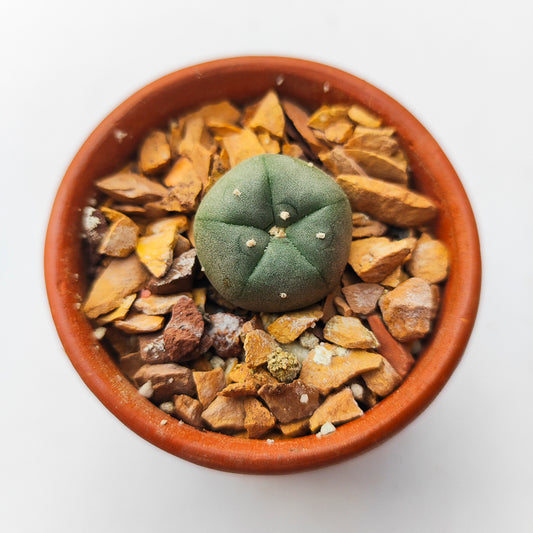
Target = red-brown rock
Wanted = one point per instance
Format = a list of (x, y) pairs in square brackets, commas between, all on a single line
[(185, 329)]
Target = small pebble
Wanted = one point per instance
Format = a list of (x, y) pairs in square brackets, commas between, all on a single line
[(320, 235), (251, 243)]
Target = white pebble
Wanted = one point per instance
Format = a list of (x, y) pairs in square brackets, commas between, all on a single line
[(217, 362), (320, 235), (270, 441), (167, 407), (99, 333), (119, 135), (146, 390), (322, 356), (280, 79), (163, 422), (326, 87), (284, 215), (310, 164), (326, 429), (358, 391), (304, 398), (283, 295), (250, 243), (236, 192)]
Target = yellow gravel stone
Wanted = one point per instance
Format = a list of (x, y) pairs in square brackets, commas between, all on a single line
[(349, 332), (380, 166), (119, 313), (140, 323), (429, 260), (290, 326), (268, 115), (120, 278), (362, 116), (341, 369), (155, 248), (154, 154), (258, 344)]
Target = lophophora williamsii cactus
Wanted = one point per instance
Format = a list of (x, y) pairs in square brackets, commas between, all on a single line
[(273, 234)]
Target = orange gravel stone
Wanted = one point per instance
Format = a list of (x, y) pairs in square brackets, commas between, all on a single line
[(225, 414), (408, 310), (258, 419), (337, 408), (208, 384), (374, 258), (387, 202)]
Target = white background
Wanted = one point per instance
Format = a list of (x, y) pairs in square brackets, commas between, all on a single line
[(465, 70)]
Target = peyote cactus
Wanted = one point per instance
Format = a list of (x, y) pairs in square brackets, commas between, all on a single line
[(273, 234)]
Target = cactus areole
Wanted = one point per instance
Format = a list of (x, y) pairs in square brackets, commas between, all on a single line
[(273, 234)]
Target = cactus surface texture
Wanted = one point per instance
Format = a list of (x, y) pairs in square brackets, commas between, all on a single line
[(273, 234)]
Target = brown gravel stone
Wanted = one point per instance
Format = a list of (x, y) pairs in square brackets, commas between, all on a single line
[(337, 408), (167, 379), (290, 401), (208, 384), (152, 349), (185, 329), (188, 409), (179, 277), (383, 380), (387, 202), (341, 369), (342, 306), (225, 414), (299, 119), (258, 419), (375, 258), (338, 162), (349, 332), (409, 309), (225, 330), (429, 260), (362, 297), (130, 363)]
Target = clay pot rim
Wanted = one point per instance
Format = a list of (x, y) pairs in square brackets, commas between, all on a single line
[(452, 331)]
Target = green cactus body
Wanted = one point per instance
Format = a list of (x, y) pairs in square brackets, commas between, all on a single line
[(273, 234)]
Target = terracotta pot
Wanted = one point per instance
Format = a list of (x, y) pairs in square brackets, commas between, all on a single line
[(241, 80)]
